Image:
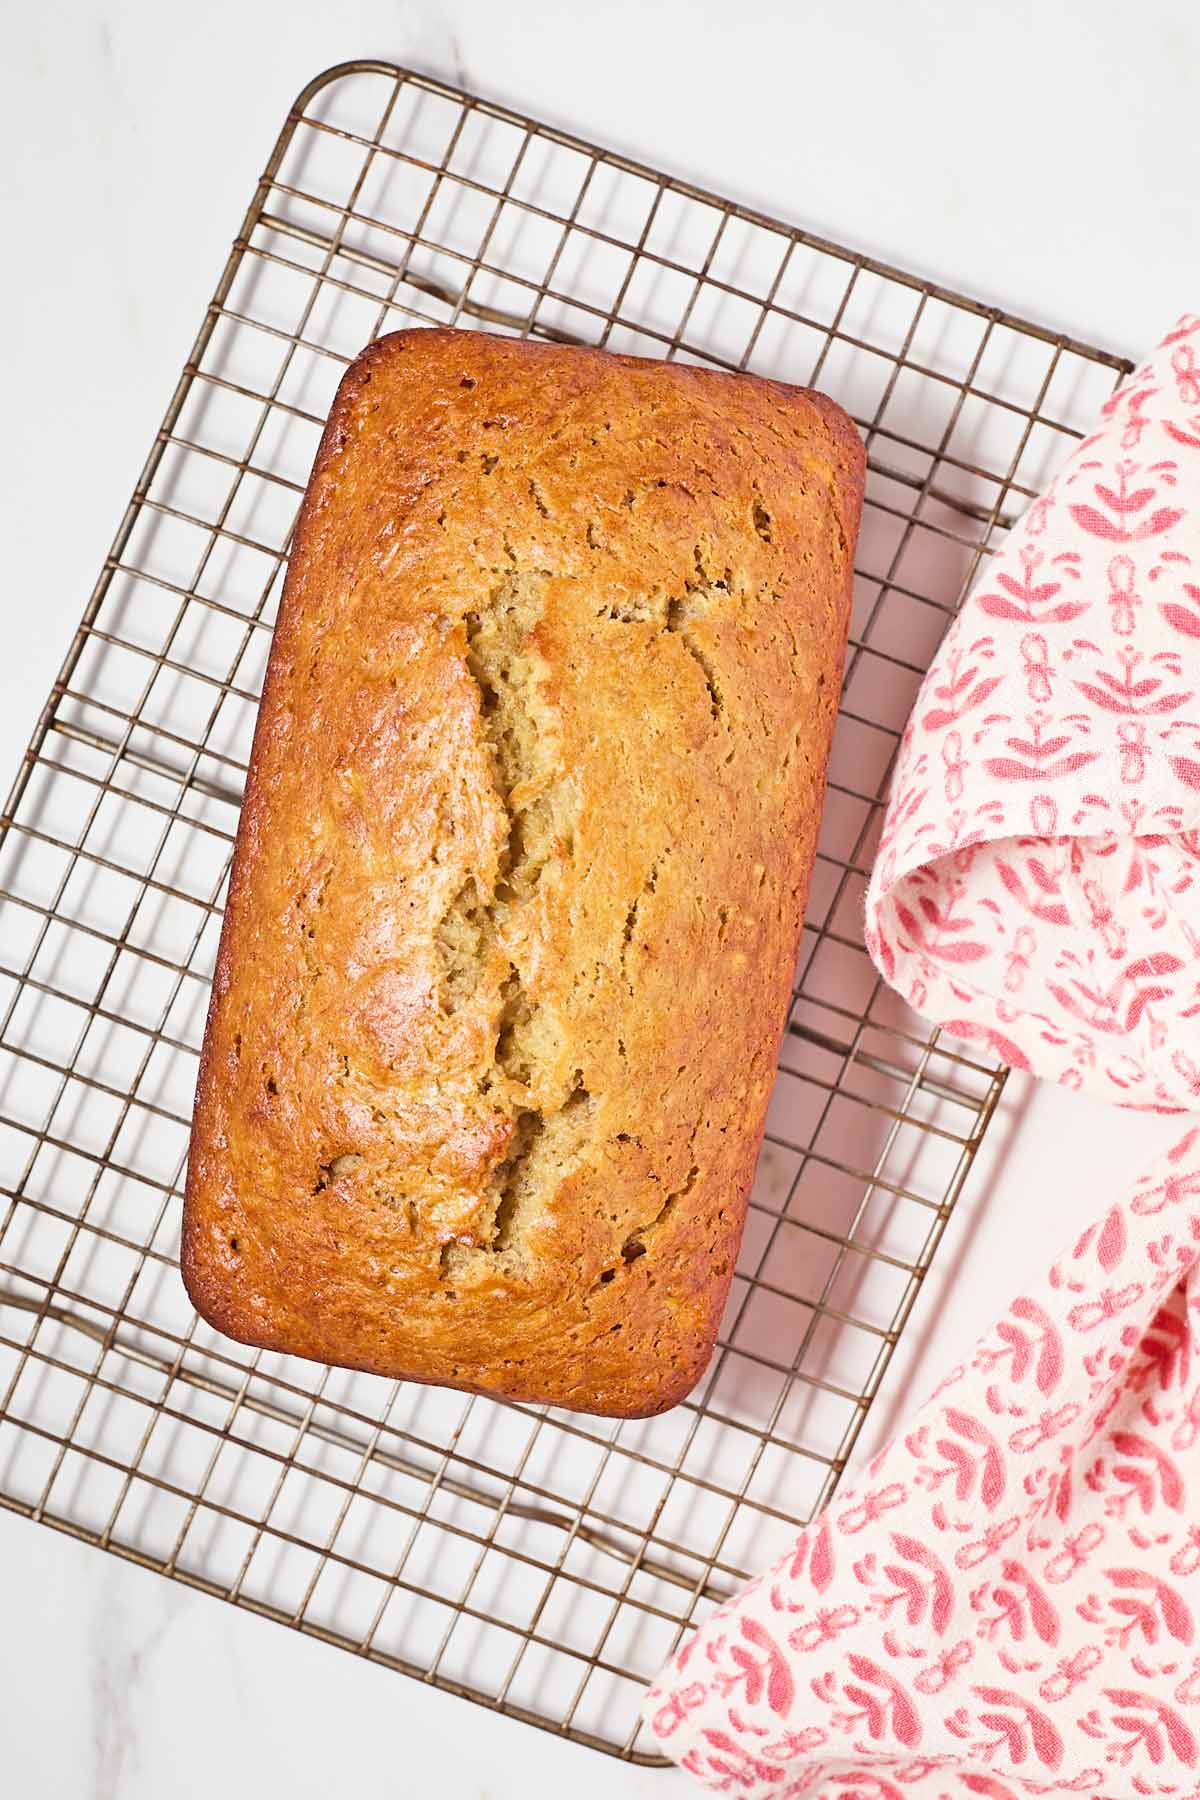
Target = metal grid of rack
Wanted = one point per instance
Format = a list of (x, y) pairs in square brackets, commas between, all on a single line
[(538, 1561)]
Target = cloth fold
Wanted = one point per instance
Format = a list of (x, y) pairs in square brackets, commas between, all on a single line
[(1008, 1601)]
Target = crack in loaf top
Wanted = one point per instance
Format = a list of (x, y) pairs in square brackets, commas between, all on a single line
[(521, 868)]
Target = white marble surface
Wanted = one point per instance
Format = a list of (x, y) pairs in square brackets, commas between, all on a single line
[(1041, 154)]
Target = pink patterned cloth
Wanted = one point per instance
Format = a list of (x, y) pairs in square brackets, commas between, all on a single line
[(1008, 1602)]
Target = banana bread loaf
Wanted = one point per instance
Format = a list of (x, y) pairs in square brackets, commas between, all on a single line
[(521, 869)]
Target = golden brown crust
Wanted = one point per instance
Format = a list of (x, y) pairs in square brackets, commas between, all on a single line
[(521, 869)]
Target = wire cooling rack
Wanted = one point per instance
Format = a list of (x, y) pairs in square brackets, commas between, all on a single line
[(539, 1561)]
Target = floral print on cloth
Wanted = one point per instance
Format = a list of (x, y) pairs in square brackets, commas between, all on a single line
[(1008, 1602)]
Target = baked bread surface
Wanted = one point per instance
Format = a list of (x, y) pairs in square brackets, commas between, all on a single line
[(521, 869)]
